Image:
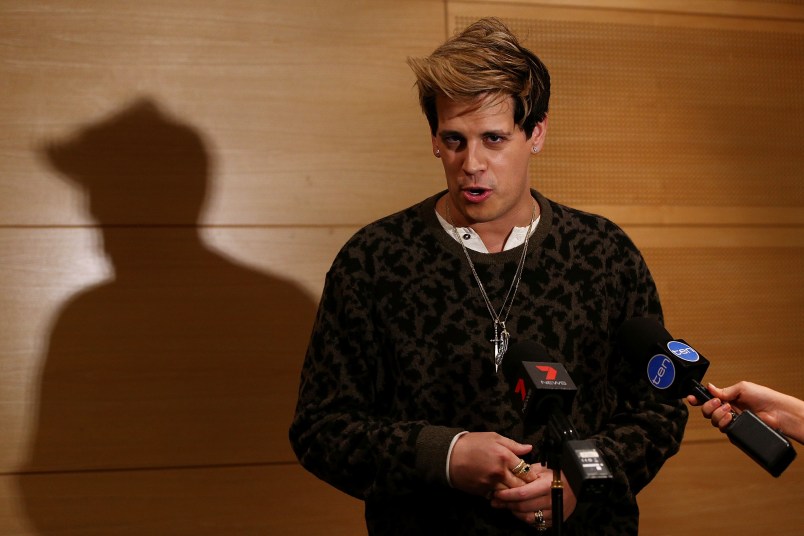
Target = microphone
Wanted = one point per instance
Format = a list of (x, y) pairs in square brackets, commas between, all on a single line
[(676, 369), (538, 386), (542, 392)]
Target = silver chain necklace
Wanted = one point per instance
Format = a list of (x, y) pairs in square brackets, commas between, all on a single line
[(501, 335)]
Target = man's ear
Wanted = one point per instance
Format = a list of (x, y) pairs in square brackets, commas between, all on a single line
[(539, 134)]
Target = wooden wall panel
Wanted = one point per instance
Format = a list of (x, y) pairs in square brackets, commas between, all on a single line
[(167, 352), (39, 271), (652, 110), (713, 488), (756, 11), (694, 493), (302, 106), (175, 179), (209, 501), (742, 308)]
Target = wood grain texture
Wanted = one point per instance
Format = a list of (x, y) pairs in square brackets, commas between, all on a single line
[(211, 501), (180, 358), (713, 488), (143, 346), (742, 307), (645, 114), (758, 9), (697, 492), (305, 109)]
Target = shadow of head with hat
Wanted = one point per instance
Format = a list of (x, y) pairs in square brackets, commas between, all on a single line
[(163, 383)]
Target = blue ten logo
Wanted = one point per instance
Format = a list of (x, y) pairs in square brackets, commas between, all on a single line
[(661, 371), (683, 351)]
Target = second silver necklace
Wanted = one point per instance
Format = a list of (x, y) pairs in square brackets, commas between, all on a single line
[(501, 335)]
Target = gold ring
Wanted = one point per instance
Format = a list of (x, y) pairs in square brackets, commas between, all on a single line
[(521, 468)]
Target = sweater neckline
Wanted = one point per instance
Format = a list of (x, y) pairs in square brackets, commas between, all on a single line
[(428, 214)]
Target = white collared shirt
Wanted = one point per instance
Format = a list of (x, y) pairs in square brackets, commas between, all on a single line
[(472, 240)]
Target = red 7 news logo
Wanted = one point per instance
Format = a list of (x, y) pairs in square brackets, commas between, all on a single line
[(550, 372)]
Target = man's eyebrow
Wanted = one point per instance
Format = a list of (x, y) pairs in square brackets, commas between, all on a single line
[(499, 132)]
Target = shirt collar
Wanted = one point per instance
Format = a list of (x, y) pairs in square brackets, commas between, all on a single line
[(472, 240)]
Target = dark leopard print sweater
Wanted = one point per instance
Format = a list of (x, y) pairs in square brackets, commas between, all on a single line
[(400, 361)]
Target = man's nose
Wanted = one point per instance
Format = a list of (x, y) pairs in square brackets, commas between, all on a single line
[(473, 161)]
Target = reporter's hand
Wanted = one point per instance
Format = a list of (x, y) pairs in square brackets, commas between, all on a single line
[(778, 410), (743, 395)]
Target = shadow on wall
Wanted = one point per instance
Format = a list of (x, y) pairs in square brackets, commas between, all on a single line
[(168, 387)]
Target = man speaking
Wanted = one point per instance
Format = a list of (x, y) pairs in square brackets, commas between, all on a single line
[(402, 401)]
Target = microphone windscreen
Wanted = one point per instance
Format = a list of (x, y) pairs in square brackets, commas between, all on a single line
[(536, 381), (638, 337), (673, 367), (523, 351)]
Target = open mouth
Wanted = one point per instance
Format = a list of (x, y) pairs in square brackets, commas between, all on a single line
[(476, 194)]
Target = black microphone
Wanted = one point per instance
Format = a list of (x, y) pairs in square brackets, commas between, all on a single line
[(537, 386), (676, 369), (542, 392)]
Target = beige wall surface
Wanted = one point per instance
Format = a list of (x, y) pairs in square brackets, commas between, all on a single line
[(176, 177)]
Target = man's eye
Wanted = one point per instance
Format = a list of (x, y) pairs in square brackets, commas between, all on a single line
[(493, 138)]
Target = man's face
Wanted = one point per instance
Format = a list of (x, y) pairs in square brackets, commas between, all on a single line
[(485, 157)]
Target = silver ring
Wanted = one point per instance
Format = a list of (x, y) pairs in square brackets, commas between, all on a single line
[(538, 517), (538, 521)]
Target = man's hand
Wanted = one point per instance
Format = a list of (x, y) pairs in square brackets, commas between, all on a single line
[(482, 462), (525, 501)]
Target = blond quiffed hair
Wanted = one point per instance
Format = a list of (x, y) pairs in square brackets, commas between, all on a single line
[(484, 59)]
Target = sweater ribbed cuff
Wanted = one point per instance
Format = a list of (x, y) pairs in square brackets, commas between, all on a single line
[(432, 450)]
